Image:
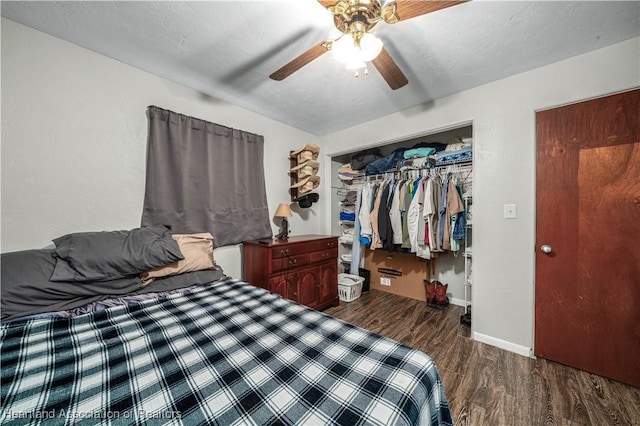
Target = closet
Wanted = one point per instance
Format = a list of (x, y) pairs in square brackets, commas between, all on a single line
[(402, 272)]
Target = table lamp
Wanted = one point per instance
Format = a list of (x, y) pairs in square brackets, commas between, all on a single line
[(284, 212)]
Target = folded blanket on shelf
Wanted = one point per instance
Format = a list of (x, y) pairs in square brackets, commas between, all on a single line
[(347, 216), (347, 173), (444, 157), (384, 164), (419, 152)]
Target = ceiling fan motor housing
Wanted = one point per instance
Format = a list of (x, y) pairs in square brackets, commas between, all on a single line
[(356, 15)]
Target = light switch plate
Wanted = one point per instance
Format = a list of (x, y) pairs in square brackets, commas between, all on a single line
[(510, 211)]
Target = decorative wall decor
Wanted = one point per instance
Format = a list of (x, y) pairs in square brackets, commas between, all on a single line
[(303, 172)]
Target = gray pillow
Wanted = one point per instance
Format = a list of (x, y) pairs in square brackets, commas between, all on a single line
[(27, 290), (107, 255)]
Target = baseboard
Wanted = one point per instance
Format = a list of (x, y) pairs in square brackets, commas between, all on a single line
[(502, 344), (457, 302)]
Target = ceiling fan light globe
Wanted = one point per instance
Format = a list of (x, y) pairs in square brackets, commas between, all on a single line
[(370, 46), (342, 49)]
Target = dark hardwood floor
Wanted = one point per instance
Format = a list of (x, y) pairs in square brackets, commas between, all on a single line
[(490, 386)]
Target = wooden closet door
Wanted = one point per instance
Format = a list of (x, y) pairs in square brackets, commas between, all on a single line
[(587, 290)]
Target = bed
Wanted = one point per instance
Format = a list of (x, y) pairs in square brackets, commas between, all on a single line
[(218, 351)]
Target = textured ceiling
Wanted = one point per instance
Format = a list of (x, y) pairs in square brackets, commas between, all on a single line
[(227, 49)]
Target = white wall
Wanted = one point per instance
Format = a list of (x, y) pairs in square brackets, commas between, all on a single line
[(503, 116), (74, 135)]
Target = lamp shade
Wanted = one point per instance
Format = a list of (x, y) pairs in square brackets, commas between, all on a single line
[(283, 210)]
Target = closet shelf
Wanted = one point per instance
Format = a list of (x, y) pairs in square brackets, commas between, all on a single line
[(445, 168)]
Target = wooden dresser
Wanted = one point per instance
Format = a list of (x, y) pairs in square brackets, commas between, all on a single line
[(303, 269)]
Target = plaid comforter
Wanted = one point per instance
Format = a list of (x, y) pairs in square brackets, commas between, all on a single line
[(225, 353)]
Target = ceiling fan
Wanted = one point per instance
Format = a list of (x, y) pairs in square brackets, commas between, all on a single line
[(357, 46)]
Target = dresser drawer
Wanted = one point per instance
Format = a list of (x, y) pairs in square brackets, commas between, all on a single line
[(303, 248), (318, 256), (323, 245), (289, 262)]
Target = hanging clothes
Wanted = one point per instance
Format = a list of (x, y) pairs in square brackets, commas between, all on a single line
[(357, 254), (406, 202), (416, 222), (384, 222), (423, 250), (395, 215), (454, 206), (363, 214), (375, 235), (430, 211), (423, 214), (444, 224), (460, 226)]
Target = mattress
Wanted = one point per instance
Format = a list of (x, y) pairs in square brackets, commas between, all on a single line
[(222, 353)]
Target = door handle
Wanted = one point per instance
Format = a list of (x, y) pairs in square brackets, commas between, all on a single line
[(546, 249)]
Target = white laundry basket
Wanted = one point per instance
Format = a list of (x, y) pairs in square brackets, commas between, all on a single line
[(349, 287)]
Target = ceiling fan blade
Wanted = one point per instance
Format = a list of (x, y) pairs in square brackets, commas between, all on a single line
[(392, 74), (299, 62), (407, 9)]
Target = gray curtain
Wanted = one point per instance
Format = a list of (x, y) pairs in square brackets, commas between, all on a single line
[(204, 177)]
